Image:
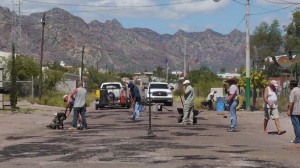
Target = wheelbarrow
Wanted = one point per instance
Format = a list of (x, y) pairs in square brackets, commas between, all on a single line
[(180, 117)]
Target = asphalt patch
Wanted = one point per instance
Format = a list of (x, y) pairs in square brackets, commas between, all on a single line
[(184, 134), (20, 137), (32, 150), (236, 152)]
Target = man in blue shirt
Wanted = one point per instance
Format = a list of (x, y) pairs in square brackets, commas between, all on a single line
[(135, 102)]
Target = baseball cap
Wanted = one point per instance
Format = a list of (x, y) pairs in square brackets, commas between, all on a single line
[(186, 82), (274, 82), (65, 96)]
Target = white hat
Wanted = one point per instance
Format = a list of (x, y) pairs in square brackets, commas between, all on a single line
[(65, 96), (186, 82)]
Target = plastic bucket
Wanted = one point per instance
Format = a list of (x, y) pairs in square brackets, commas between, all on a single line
[(220, 105)]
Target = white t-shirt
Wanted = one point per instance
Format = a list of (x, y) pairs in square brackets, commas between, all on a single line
[(233, 90), (210, 96)]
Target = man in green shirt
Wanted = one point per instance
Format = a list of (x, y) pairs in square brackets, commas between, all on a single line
[(188, 105)]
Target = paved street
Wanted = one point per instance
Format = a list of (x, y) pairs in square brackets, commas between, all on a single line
[(113, 140)]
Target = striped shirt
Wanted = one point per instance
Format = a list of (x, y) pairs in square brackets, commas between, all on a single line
[(295, 98)]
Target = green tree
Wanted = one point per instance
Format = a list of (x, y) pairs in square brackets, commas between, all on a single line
[(159, 72), (292, 30), (51, 78), (96, 78), (203, 80), (13, 74), (26, 67), (258, 82), (56, 66), (223, 70), (266, 41)]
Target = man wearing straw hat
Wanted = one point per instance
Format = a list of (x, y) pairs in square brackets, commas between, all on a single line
[(233, 102)]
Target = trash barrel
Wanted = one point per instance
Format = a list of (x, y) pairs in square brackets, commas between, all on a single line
[(220, 105)]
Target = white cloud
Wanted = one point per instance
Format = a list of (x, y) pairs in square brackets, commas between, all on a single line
[(93, 9), (276, 2), (183, 27), (205, 6)]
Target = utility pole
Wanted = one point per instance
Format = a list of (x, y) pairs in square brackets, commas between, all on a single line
[(97, 65), (167, 69), (81, 70), (41, 60), (184, 59), (247, 57)]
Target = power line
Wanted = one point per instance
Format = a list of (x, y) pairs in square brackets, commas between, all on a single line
[(239, 2), (110, 6), (240, 21), (283, 2), (271, 11)]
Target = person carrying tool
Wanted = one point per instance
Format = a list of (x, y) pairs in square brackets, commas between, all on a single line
[(188, 104)]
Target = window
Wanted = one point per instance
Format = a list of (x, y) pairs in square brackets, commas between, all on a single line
[(111, 86), (159, 86)]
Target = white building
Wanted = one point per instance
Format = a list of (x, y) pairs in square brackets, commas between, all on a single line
[(229, 75)]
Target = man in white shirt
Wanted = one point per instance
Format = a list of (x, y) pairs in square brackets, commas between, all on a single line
[(210, 99), (233, 102)]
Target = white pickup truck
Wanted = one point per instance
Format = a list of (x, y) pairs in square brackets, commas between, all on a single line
[(160, 92), (111, 94)]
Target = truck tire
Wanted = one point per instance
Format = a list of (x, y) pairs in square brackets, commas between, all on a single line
[(110, 97)]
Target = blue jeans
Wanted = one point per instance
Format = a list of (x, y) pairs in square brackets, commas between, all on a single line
[(136, 111), (296, 124), (82, 112), (233, 118)]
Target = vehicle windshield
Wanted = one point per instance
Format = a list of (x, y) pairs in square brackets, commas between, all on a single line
[(159, 86), (111, 86)]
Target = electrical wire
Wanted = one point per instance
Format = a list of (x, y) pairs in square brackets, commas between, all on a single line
[(271, 11), (239, 2), (240, 22), (105, 6), (283, 2)]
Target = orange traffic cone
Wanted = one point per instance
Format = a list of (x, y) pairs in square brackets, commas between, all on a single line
[(122, 98)]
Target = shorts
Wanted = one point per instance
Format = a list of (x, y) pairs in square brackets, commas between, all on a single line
[(271, 112)]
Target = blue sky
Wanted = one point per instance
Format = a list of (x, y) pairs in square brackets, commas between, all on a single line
[(168, 16)]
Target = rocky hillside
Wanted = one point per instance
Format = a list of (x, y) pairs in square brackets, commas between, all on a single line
[(121, 49)]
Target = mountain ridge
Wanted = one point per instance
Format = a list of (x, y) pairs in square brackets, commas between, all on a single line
[(121, 49)]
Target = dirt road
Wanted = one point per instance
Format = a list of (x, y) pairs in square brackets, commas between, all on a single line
[(113, 140)]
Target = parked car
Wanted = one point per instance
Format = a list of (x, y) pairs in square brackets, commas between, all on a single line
[(111, 94), (159, 92)]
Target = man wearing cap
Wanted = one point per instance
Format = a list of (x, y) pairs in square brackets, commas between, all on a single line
[(135, 101), (188, 105), (232, 95), (271, 106), (210, 99)]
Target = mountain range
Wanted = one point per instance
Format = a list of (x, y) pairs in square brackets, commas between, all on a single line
[(121, 49)]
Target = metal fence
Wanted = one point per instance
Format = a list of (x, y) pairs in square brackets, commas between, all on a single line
[(24, 88)]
